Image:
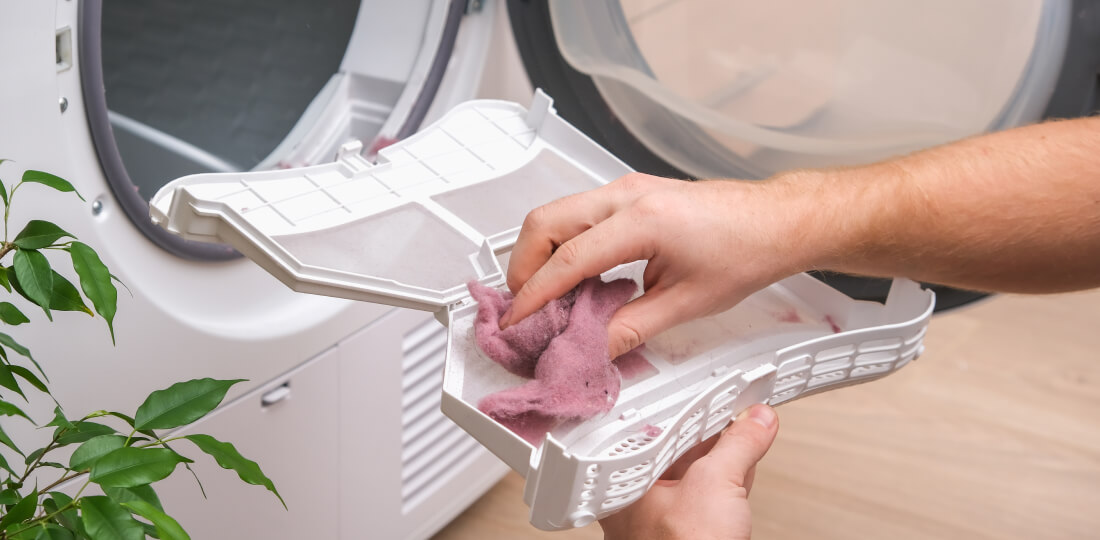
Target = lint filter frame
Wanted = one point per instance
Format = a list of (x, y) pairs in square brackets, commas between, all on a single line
[(435, 210)]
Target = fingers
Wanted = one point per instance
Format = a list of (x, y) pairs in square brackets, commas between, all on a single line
[(610, 243), (550, 226), (646, 316), (740, 447)]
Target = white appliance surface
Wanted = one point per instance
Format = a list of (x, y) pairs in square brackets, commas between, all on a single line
[(354, 437)]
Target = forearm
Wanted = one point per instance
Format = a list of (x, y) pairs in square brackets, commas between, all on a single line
[(1012, 211)]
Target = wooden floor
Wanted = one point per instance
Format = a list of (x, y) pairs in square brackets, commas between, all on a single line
[(994, 433)]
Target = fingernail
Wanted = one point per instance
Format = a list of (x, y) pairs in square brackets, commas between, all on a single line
[(761, 414), (506, 319)]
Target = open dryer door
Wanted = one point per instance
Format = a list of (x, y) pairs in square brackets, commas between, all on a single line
[(745, 89), (119, 97)]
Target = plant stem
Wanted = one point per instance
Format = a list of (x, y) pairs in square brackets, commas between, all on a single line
[(163, 441), (62, 480), (7, 208), (32, 523), (34, 465), (5, 248)]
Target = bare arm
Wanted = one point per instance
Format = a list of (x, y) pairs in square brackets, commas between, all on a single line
[(1012, 211), (1016, 211)]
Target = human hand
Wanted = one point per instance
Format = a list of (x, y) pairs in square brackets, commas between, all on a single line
[(704, 495), (709, 245)]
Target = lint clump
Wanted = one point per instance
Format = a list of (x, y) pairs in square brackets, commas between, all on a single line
[(562, 348)]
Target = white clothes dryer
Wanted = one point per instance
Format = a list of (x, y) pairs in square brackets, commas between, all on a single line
[(342, 404)]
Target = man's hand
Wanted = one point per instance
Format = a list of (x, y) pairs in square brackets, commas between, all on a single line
[(709, 245), (704, 495)]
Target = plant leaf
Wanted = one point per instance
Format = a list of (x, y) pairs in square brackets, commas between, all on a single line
[(3, 189), (150, 530), (6, 441), (181, 403), (137, 493), (11, 314), (4, 465), (38, 234), (82, 431), (29, 376), (122, 417), (95, 281), (48, 179), (4, 278), (9, 497), (59, 419), (92, 449), (131, 466), (229, 458), (7, 380), (67, 518), (53, 532), (167, 528), (10, 343), (105, 519), (8, 409), (22, 511), (65, 297), (35, 276), (124, 286), (31, 457)]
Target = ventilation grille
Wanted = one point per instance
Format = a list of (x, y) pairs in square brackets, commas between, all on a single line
[(432, 447)]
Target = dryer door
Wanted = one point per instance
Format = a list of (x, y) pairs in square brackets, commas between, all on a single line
[(211, 86), (745, 89)]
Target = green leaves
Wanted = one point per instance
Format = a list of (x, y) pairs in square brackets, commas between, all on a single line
[(64, 296), (8, 409), (48, 179), (59, 419), (35, 277), (11, 314), (95, 281), (38, 234), (82, 431), (136, 493), (130, 466), (92, 449), (105, 519), (181, 403), (9, 497), (10, 343), (67, 516), (22, 511), (7, 380), (53, 532), (167, 528), (29, 377), (229, 458)]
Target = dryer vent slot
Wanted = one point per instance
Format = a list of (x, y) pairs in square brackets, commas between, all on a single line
[(431, 445)]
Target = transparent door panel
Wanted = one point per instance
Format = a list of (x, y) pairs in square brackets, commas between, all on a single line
[(737, 87)]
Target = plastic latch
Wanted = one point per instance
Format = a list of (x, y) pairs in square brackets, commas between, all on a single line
[(350, 148)]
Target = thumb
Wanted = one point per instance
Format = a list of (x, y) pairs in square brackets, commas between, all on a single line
[(642, 318), (743, 444)]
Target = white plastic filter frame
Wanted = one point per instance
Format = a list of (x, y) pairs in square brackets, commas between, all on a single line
[(433, 212), (409, 230), (584, 471)]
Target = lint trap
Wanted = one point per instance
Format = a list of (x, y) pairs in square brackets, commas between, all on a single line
[(435, 211)]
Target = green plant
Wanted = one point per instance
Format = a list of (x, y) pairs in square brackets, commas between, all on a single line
[(124, 465)]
